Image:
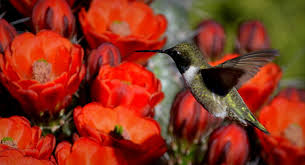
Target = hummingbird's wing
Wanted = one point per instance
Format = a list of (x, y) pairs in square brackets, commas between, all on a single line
[(250, 63), (221, 80), (233, 73)]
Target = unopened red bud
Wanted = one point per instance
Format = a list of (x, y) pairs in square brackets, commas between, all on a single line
[(7, 34), (252, 36), (228, 145), (188, 119), (70, 2), (54, 15), (25, 7), (211, 39), (105, 54)]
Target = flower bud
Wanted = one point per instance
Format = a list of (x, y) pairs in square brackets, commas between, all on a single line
[(71, 2), (211, 39), (25, 7), (7, 34), (228, 145), (252, 36), (105, 54), (189, 120), (55, 15)]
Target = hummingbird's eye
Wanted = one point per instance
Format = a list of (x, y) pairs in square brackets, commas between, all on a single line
[(172, 52), (175, 52)]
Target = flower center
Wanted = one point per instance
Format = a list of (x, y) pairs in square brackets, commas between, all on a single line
[(42, 71), (120, 27), (126, 82), (8, 141), (294, 134), (119, 133)]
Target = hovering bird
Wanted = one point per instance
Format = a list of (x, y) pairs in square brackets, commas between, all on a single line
[(215, 88)]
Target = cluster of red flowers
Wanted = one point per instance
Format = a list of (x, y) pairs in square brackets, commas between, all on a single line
[(46, 69)]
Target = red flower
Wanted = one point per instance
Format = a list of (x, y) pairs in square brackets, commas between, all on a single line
[(129, 85), (105, 54), (25, 7), (12, 156), (132, 26), (55, 15), (7, 34), (139, 138), (223, 59), (228, 145), (211, 39), (87, 151), (257, 90), (284, 118), (252, 36), (42, 71), (20, 130), (22, 143), (188, 118)]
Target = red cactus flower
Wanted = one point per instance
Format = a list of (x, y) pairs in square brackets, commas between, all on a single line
[(129, 85), (223, 59), (20, 130), (284, 118), (228, 145), (12, 156), (25, 7), (105, 54), (7, 34), (139, 138), (189, 120), (132, 26), (22, 143), (42, 71), (87, 151), (257, 90), (211, 39), (252, 36), (54, 15), (293, 94)]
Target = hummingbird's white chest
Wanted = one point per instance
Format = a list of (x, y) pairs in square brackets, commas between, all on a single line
[(190, 73)]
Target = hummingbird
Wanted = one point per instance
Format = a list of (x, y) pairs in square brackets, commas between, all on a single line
[(215, 88)]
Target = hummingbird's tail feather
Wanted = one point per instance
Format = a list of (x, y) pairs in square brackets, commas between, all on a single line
[(254, 122), (245, 116)]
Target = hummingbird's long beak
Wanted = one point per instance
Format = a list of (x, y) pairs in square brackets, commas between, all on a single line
[(157, 51)]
